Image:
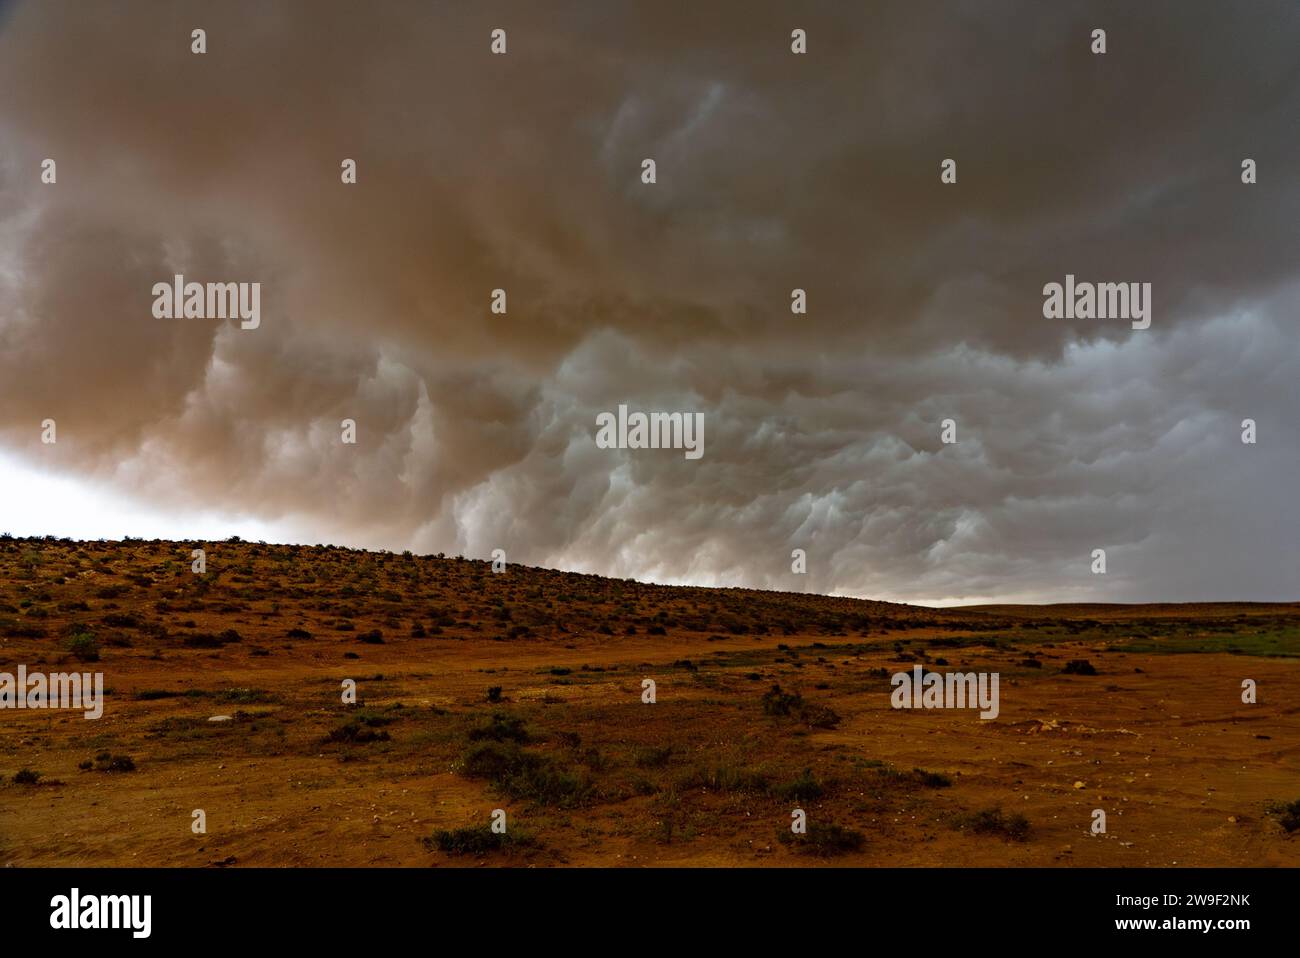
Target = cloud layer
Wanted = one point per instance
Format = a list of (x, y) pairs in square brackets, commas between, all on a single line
[(775, 171)]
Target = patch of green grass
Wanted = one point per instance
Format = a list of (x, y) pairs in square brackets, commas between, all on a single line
[(724, 778), (1282, 642), (243, 696), (803, 788)]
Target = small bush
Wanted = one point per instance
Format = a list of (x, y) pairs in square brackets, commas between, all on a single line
[(150, 695), (993, 821), (477, 840), (26, 776), (106, 762), (819, 716), (118, 620), (824, 840), (653, 757), (776, 702), (501, 728), (525, 775), (931, 779), (84, 647), (1079, 667), (1288, 816), (361, 728)]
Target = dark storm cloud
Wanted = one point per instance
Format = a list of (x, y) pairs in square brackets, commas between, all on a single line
[(775, 171)]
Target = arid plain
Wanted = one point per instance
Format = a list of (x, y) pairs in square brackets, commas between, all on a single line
[(523, 691)]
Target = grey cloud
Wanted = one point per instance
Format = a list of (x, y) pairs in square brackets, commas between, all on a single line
[(775, 172)]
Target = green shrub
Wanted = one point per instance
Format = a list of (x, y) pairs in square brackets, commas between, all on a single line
[(84, 647)]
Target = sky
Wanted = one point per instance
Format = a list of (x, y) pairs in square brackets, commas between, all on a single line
[(774, 171)]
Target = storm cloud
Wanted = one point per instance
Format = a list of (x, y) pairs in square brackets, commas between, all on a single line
[(775, 171)]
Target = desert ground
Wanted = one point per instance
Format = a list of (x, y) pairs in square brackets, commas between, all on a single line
[(522, 690)]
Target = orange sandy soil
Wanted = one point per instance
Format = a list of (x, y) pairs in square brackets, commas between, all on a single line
[(1186, 773)]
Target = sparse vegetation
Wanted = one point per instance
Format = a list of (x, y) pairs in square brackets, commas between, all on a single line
[(233, 677)]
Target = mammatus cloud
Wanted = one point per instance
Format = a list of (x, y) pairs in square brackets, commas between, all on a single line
[(775, 171)]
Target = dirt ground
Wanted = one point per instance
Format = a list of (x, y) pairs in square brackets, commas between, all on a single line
[(523, 691)]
